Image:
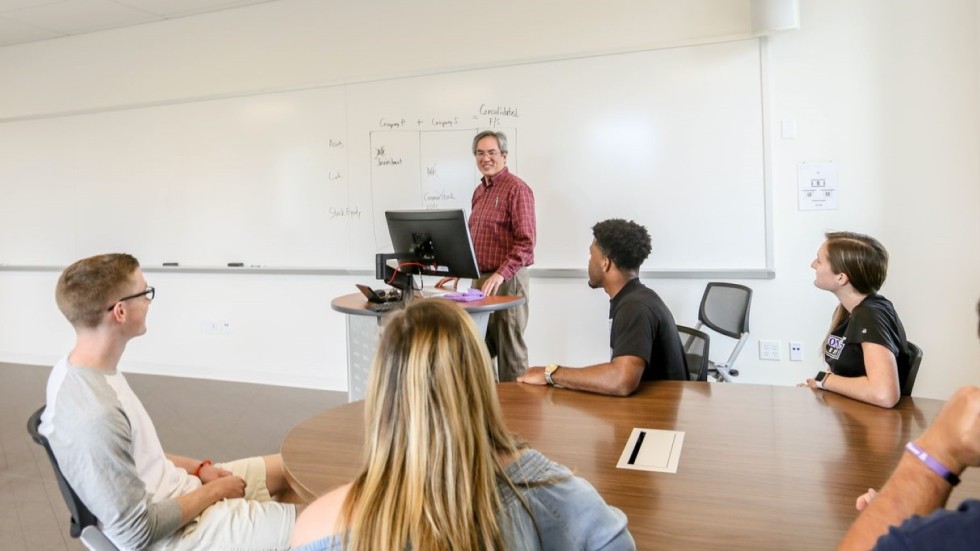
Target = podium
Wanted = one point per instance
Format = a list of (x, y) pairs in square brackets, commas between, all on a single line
[(364, 329)]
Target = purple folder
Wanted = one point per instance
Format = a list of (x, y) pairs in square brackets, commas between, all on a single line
[(469, 296)]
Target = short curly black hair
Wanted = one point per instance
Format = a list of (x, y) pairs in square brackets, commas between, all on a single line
[(624, 241)]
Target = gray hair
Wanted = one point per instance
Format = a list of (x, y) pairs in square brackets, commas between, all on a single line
[(499, 136)]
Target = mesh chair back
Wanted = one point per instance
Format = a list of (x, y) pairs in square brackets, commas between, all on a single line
[(725, 308), (81, 517), (915, 358), (695, 345)]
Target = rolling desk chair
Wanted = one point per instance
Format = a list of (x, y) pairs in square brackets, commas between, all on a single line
[(915, 358), (84, 525), (695, 345), (725, 310)]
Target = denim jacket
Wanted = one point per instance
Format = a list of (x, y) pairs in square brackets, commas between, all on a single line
[(568, 512)]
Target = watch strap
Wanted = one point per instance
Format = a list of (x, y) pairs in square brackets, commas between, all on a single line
[(548, 372)]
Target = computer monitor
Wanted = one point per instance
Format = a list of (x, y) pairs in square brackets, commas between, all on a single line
[(437, 239)]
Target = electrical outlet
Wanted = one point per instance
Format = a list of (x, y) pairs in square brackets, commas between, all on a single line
[(213, 327), (795, 351), (769, 350)]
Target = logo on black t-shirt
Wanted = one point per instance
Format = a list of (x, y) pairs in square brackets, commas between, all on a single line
[(834, 346)]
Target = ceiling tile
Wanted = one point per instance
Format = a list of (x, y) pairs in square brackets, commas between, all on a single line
[(7, 5), (175, 8), (30, 20), (80, 15), (15, 32)]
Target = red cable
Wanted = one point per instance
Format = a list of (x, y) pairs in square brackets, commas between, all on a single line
[(398, 267)]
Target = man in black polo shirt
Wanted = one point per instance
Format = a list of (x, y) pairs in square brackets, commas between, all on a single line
[(643, 337)]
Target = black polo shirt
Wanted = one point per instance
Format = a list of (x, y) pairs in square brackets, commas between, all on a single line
[(641, 325)]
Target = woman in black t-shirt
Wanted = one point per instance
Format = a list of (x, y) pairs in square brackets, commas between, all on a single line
[(866, 350)]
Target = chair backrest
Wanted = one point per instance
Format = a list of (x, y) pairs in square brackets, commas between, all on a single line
[(915, 358), (725, 308), (81, 517), (695, 345)]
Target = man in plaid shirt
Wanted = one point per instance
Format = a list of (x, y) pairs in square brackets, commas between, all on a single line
[(502, 225)]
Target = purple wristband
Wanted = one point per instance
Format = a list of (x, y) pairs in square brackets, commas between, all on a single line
[(934, 466)]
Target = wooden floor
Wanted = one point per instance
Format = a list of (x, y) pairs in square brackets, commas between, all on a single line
[(194, 417)]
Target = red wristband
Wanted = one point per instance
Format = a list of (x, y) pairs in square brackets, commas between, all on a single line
[(205, 463)]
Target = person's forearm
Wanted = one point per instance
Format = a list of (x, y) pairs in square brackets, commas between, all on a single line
[(913, 489), (863, 389), (194, 503), (600, 378), (517, 258)]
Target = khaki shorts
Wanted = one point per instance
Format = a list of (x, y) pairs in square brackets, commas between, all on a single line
[(253, 523)]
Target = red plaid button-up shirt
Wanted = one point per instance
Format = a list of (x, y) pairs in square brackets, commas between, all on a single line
[(502, 224)]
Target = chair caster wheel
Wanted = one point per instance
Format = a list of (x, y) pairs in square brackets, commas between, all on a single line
[(733, 372)]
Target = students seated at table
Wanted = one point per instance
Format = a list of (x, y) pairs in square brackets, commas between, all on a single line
[(441, 471), (643, 337), (866, 350), (909, 512)]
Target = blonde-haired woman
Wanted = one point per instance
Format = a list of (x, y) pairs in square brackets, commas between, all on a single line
[(866, 350), (441, 471)]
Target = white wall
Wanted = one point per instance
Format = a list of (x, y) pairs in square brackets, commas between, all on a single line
[(293, 43), (888, 91)]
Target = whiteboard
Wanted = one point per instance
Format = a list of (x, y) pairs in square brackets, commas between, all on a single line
[(670, 138)]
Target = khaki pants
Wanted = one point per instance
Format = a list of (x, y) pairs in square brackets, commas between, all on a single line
[(505, 329)]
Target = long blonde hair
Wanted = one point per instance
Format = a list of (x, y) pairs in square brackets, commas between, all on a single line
[(435, 436)]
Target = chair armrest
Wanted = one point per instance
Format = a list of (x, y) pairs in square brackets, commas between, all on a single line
[(94, 539)]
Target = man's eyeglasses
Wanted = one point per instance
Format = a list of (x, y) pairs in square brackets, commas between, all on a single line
[(150, 292), (493, 153)]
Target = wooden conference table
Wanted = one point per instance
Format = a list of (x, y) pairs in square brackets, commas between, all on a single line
[(762, 467)]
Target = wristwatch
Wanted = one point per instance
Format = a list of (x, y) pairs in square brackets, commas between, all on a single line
[(549, 371), (821, 378)]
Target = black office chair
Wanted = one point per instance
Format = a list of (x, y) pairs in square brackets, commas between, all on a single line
[(915, 358), (84, 525), (725, 310), (695, 344)]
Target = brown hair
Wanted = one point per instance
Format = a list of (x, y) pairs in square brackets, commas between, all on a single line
[(862, 258), (435, 436), (87, 287)]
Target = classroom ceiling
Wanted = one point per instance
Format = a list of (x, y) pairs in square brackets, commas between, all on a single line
[(32, 20)]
